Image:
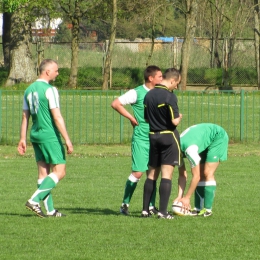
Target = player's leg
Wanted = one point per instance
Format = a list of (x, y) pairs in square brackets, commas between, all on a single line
[(140, 156), (130, 187), (210, 184), (43, 172), (169, 157), (216, 152), (165, 188), (53, 154), (149, 186)]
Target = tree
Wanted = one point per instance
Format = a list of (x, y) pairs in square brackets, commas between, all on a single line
[(18, 16), (190, 10), (224, 21), (75, 10), (16, 47), (257, 40), (109, 51)]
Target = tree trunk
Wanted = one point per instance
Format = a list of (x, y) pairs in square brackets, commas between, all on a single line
[(111, 43), (21, 64), (74, 53), (190, 26), (257, 41), (6, 38), (152, 47)]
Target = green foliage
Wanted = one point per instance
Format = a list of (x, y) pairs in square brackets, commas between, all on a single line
[(3, 75), (91, 194), (63, 34), (214, 76), (88, 77), (11, 5)]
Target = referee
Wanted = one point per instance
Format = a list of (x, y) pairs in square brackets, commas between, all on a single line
[(162, 113)]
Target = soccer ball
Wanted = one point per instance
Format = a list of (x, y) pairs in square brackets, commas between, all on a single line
[(177, 210)]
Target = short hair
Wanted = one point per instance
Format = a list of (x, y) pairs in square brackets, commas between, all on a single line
[(44, 64), (150, 71), (171, 73)]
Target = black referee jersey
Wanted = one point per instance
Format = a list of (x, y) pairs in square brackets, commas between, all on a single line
[(160, 107)]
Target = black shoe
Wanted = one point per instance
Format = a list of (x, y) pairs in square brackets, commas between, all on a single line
[(36, 209), (153, 211), (194, 212), (57, 214), (124, 210), (167, 216)]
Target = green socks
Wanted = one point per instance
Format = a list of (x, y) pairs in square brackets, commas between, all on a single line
[(45, 188), (130, 186), (204, 195), (47, 201)]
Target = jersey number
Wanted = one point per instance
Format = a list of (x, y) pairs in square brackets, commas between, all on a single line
[(33, 100)]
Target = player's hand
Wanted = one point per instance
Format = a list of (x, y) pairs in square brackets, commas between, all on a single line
[(69, 146), (133, 122), (185, 203), (176, 200), (21, 147)]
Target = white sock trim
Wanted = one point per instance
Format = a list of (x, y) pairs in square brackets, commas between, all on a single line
[(39, 181), (54, 177), (207, 183), (132, 178)]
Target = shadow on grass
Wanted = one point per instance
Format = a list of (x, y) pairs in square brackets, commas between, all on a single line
[(99, 211), (93, 211)]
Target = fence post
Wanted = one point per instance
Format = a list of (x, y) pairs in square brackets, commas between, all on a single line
[(242, 94), (121, 123)]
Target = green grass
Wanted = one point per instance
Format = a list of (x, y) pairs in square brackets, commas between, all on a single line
[(91, 194)]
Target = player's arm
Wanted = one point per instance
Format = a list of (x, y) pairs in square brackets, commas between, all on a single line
[(53, 97), (60, 124), (182, 180), (177, 120), (119, 103), (174, 110), (194, 159), (23, 132)]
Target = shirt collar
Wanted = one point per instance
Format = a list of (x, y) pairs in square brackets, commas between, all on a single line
[(162, 86), (42, 80)]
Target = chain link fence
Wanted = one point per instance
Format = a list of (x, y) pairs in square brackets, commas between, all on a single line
[(211, 63)]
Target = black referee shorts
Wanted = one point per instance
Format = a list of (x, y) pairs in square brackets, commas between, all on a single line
[(164, 148)]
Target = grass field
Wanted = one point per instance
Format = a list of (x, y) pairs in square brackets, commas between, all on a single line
[(91, 194)]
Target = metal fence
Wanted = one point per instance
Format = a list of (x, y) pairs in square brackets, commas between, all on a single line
[(91, 120)]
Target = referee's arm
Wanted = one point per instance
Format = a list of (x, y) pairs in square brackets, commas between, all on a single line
[(177, 120)]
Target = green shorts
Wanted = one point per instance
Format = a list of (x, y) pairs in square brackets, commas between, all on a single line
[(53, 153), (140, 156), (217, 150)]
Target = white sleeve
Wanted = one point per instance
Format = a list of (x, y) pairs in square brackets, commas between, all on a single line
[(25, 105), (53, 96), (193, 155), (128, 98)]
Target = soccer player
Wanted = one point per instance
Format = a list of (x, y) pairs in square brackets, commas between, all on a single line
[(204, 145), (162, 112), (140, 138), (41, 102)]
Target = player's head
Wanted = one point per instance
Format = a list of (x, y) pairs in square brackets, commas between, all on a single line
[(173, 76), (153, 75), (48, 69)]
